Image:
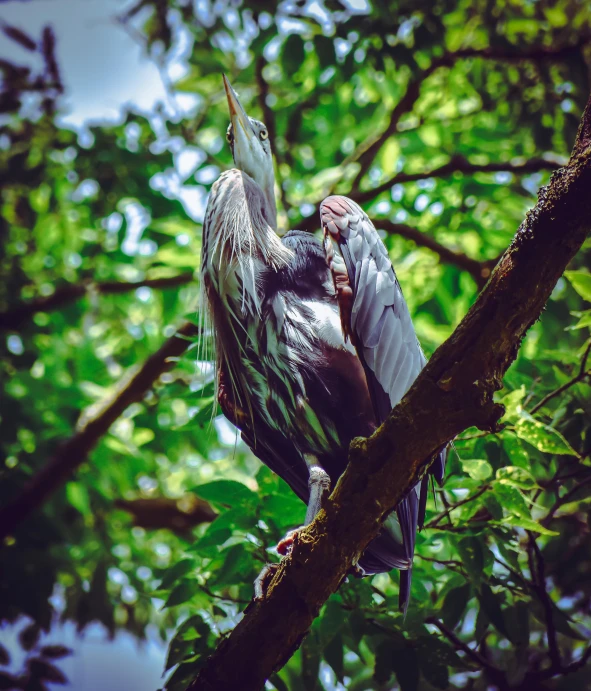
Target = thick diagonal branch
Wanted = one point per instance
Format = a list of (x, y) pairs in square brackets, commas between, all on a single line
[(73, 452), (454, 392), (15, 316)]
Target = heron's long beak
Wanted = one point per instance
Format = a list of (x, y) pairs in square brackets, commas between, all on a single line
[(243, 131)]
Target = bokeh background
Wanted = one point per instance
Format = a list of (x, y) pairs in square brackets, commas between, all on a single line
[(133, 520)]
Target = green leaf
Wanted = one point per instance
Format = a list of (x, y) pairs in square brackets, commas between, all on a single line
[(511, 499), (454, 604), (382, 670), (513, 403), (561, 621), (77, 495), (516, 477), (584, 321), (284, 510), (470, 551), (334, 655), (183, 592), (332, 621), (324, 48), (491, 604), (542, 437), (516, 619), (226, 493), (172, 575), (526, 524), (236, 563), (406, 667), (477, 469), (581, 282), (293, 54), (433, 656), (212, 538)]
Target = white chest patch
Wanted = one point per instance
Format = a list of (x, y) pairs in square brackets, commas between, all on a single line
[(327, 324)]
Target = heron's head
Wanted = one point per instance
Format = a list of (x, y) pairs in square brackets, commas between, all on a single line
[(251, 149)]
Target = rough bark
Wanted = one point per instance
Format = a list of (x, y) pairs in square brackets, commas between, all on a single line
[(454, 391)]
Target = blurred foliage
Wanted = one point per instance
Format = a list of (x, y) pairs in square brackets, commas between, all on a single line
[(502, 579)]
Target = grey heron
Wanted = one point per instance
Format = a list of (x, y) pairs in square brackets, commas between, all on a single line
[(314, 341)]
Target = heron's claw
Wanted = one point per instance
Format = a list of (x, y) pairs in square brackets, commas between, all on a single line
[(357, 572), (260, 583)]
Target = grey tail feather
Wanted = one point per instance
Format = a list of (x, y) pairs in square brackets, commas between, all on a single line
[(404, 592), (423, 501)]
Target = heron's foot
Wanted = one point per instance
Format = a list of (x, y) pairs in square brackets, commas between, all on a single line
[(262, 580), (285, 545)]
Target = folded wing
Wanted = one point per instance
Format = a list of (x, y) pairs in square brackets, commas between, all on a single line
[(375, 316)]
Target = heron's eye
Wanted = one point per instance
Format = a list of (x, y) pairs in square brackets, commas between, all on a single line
[(229, 137), (264, 135)]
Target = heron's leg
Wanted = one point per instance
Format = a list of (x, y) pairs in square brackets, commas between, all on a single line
[(319, 486)]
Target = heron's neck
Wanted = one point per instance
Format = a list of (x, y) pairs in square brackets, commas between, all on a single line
[(267, 183)]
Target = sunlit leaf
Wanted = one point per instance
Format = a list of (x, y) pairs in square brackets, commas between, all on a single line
[(543, 437)]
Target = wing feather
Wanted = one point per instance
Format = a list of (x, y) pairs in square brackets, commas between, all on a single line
[(381, 328)]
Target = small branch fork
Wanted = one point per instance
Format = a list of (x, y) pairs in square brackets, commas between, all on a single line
[(452, 393), (435, 522)]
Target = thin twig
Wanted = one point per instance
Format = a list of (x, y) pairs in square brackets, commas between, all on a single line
[(538, 574), (434, 523), (561, 501), (494, 674), (571, 382)]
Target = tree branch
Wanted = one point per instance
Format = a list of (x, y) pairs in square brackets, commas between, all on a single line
[(452, 393), (15, 316), (480, 271), (456, 164), (73, 452), (470, 653), (368, 150)]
